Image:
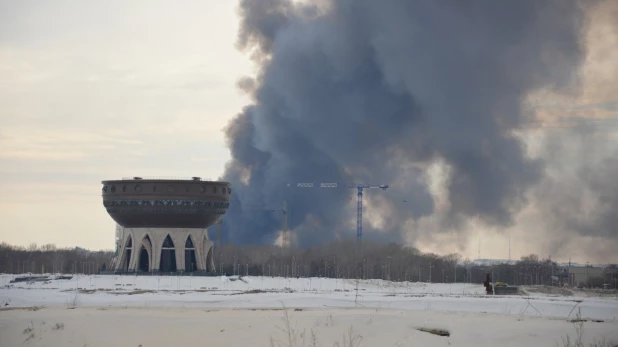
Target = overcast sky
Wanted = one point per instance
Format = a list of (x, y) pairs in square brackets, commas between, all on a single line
[(102, 90)]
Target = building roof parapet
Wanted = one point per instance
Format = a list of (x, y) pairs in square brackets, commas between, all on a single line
[(167, 178)]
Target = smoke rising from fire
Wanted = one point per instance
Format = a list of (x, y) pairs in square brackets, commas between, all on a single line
[(378, 92)]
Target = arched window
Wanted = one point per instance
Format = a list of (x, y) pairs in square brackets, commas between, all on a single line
[(168, 256), (128, 249), (144, 254), (189, 243), (168, 243), (190, 257)]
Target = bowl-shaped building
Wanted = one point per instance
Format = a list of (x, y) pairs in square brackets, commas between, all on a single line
[(163, 223)]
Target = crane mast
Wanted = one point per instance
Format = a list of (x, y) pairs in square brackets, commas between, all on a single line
[(359, 204)]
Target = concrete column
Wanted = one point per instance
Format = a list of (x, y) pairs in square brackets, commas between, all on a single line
[(180, 257), (137, 247), (151, 254), (157, 244), (197, 244), (209, 257), (204, 249), (179, 237)]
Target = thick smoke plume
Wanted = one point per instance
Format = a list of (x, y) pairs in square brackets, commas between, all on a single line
[(375, 92), (578, 198)]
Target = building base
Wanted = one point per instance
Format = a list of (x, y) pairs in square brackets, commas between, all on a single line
[(163, 250)]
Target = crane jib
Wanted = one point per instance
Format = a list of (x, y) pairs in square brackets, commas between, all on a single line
[(337, 185)]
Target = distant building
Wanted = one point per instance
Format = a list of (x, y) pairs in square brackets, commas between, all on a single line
[(491, 262), (81, 250), (586, 275)]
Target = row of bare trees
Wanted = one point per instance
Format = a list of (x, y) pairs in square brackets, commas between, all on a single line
[(50, 259), (345, 259), (338, 259)]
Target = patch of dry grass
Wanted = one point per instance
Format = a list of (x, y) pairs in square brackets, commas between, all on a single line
[(577, 340), (293, 337)]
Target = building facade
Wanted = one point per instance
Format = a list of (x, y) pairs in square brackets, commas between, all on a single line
[(162, 223), (164, 250)]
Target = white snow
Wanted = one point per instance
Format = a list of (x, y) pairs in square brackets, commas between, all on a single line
[(382, 312)]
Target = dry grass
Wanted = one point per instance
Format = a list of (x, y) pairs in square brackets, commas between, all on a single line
[(351, 339), (29, 332), (293, 337), (73, 301), (578, 339)]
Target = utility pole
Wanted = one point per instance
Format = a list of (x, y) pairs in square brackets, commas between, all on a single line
[(389, 269), (479, 254), (285, 223), (551, 279)]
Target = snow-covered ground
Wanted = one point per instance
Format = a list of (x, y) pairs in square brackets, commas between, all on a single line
[(153, 310)]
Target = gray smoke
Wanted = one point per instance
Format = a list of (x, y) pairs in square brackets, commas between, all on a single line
[(374, 91), (578, 198)]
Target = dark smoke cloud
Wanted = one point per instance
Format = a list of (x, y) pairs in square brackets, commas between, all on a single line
[(578, 199), (374, 91)]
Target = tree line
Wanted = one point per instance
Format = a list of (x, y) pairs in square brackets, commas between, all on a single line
[(51, 259), (337, 259), (395, 262)]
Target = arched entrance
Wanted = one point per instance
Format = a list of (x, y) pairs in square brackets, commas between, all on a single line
[(144, 258), (190, 259), (168, 256), (144, 261), (127, 253)]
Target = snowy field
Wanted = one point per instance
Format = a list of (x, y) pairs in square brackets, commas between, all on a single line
[(219, 311)]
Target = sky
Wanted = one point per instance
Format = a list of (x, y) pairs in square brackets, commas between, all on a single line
[(103, 90), (91, 91)]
